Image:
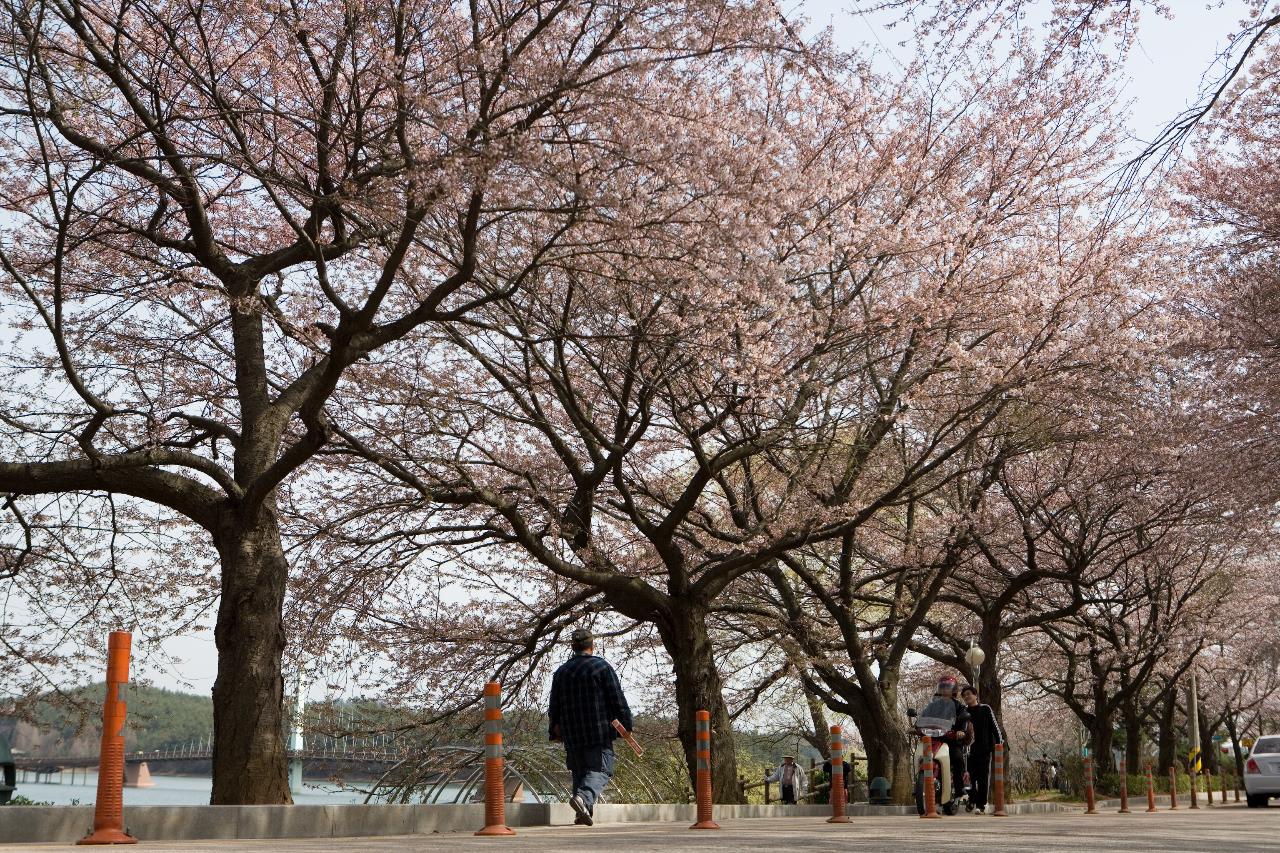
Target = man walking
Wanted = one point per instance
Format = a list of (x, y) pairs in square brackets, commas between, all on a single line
[(986, 734), (586, 697)]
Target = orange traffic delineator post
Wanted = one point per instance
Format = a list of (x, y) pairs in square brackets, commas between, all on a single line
[(997, 781), (1151, 789), (1223, 776), (495, 807), (108, 810), (1089, 798), (838, 792), (1124, 787), (926, 760), (1195, 783), (1173, 788), (702, 737)]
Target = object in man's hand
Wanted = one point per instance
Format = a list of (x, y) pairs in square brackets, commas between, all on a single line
[(631, 741)]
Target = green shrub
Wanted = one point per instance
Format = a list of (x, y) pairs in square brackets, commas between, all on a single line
[(19, 800)]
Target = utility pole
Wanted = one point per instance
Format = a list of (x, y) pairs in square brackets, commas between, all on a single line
[(1194, 714), (295, 738)]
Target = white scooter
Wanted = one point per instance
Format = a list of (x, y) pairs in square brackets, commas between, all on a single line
[(936, 723)]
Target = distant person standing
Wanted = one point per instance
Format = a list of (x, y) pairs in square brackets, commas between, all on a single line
[(848, 778), (586, 697), (791, 777), (986, 734)]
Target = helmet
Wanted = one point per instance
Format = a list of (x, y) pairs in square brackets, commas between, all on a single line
[(946, 685)]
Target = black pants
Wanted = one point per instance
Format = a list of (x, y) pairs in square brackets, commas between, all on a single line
[(979, 774), (956, 756), (789, 795)]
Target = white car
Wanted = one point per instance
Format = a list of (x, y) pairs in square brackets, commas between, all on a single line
[(1262, 771)]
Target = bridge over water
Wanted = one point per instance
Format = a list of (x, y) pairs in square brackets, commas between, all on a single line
[(439, 774)]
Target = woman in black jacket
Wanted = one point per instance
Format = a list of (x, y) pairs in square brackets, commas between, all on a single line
[(986, 734)]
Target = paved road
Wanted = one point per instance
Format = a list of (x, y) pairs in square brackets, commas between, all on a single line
[(1232, 828)]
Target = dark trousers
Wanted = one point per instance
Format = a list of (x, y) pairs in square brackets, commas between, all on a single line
[(956, 757), (979, 774), (591, 768), (789, 795)]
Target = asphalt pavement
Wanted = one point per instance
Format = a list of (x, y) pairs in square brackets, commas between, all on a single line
[(1230, 828)]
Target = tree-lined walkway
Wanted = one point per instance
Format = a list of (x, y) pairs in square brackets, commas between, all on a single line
[(1230, 828)]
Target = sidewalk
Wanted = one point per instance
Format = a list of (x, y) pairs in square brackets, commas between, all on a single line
[(1231, 828)]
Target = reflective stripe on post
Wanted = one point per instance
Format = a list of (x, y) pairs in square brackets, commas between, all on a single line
[(838, 792), (926, 760), (108, 809), (702, 737), (1173, 788), (1124, 786), (1089, 799), (997, 780), (495, 807), (1151, 788)]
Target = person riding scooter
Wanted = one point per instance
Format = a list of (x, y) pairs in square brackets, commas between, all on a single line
[(959, 737), (946, 721)]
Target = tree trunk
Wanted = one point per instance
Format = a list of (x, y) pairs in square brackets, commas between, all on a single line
[(1168, 734), (874, 710), (889, 755), (1235, 748), (1132, 736), (821, 737), (249, 762), (685, 637), (1208, 750), (989, 691), (1102, 737)]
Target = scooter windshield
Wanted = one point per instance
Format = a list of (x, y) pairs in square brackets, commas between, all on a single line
[(939, 715)]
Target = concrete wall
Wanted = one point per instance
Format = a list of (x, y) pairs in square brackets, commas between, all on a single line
[(70, 823), (174, 823)]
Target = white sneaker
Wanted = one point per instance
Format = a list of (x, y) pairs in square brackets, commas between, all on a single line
[(584, 814)]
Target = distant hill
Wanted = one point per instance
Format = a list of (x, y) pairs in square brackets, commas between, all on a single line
[(158, 719), (70, 723), (166, 718)]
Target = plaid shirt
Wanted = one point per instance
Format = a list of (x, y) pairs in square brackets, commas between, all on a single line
[(586, 698)]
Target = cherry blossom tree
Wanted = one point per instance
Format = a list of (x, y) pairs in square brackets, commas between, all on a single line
[(633, 426), (1067, 514), (213, 212), (872, 586), (1227, 193), (1238, 670), (1148, 615), (1099, 28)]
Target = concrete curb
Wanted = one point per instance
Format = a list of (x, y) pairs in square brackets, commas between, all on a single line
[(1139, 804), (30, 824)]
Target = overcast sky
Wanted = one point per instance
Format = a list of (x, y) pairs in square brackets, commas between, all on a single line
[(1164, 70), (1164, 74)]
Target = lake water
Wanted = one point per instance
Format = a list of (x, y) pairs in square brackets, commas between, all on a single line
[(168, 791)]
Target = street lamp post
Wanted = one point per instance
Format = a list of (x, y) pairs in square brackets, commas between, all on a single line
[(974, 657)]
